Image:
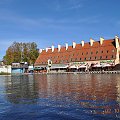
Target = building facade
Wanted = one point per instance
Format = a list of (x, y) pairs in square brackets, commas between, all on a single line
[(90, 56), (4, 68)]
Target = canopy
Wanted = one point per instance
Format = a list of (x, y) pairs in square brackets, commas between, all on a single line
[(58, 66), (97, 65), (82, 66), (107, 65), (73, 66)]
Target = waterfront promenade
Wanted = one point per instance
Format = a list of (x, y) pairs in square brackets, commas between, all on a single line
[(92, 72)]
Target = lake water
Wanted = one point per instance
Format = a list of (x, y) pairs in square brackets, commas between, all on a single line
[(60, 97)]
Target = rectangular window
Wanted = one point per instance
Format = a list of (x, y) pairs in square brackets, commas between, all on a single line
[(112, 56)]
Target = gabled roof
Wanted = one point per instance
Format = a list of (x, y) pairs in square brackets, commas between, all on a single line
[(72, 53)]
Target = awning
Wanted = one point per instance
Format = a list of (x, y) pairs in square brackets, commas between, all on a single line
[(77, 67), (30, 67), (58, 66), (97, 65), (39, 67), (82, 66), (107, 65), (73, 66)]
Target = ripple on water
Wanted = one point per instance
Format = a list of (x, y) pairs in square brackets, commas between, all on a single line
[(60, 97)]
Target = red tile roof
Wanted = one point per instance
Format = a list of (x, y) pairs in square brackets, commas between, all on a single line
[(86, 53)]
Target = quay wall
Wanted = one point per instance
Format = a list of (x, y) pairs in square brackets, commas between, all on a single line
[(92, 72)]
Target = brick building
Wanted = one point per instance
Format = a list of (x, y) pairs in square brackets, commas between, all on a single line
[(90, 56)]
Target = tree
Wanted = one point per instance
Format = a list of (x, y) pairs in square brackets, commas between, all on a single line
[(21, 52)]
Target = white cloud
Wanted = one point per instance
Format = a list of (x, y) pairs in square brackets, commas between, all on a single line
[(30, 23), (68, 5)]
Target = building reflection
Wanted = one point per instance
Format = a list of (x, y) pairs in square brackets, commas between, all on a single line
[(21, 89), (41, 85), (94, 93), (97, 94)]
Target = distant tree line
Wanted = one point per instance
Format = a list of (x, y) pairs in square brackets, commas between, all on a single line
[(21, 52)]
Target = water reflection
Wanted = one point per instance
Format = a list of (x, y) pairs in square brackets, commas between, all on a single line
[(98, 94), (91, 94), (21, 88)]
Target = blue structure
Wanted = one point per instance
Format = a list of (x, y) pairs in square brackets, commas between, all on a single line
[(18, 68)]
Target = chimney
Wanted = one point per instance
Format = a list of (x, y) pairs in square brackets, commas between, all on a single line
[(46, 49), (101, 40), (82, 43), (74, 44), (91, 42), (40, 50), (116, 41), (59, 47), (52, 48), (66, 45)]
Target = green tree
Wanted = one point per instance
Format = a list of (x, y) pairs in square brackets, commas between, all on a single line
[(21, 52), (8, 58)]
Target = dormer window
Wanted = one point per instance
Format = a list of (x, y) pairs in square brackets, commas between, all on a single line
[(113, 50)]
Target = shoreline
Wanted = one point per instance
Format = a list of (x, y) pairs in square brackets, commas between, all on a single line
[(92, 72), (5, 74)]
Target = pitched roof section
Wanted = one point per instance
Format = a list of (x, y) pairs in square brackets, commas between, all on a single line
[(80, 53)]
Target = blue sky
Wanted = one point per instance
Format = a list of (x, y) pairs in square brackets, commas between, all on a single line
[(53, 22)]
